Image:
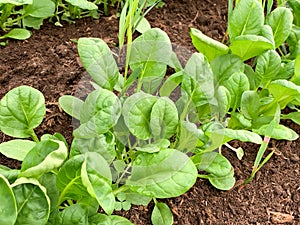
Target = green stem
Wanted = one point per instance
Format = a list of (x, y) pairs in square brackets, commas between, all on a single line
[(6, 12), (34, 136), (120, 189), (204, 176)]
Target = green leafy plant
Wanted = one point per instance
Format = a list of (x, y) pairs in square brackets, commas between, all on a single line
[(256, 70)]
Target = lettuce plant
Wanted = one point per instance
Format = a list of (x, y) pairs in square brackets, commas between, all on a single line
[(256, 69)]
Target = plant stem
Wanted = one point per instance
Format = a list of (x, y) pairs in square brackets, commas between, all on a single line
[(120, 189), (34, 137), (6, 12)]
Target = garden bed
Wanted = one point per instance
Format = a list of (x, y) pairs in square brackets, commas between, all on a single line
[(49, 62)]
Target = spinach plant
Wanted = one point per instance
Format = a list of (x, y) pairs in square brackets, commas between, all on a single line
[(155, 144), (259, 75), (50, 187)]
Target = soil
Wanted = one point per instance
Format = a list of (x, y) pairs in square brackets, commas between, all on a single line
[(49, 62)]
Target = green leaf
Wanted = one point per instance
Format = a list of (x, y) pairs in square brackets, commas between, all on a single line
[(48, 180), (165, 174), (19, 34), (163, 119), (250, 104), (236, 85), (213, 163), (224, 66), (143, 25), (171, 84), (16, 149), (34, 22), (294, 116), (224, 183), (283, 91), (40, 8), (71, 105), (74, 214), (97, 178), (99, 62), (267, 32), (21, 110), (207, 46), (83, 4), (243, 135), (161, 214), (102, 144), (249, 46), (8, 206), (281, 21), (295, 5), (10, 174), (101, 219), (155, 146), (246, 18), (189, 137), (296, 77), (137, 111), (31, 197), (224, 99), (152, 46), (279, 132), (69, 181), (198, 80), (268, 66), (134, 198), (100, 112)]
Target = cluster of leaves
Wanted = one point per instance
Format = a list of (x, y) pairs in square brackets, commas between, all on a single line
[(156, 141), (259, 68), (32, 13)]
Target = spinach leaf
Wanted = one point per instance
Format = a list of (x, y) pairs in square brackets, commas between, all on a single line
[(161, 214), (16, 149), (98, 60), (8, 207), (137, 112), (31, 196), (71, 105), (165, 174), (207, 46), (281, 21), (101, 219), (246, 18), (74, 214), (100, 112), (21, 110)]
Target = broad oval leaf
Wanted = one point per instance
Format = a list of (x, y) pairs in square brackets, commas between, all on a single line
[(250, 104), (71, 105), (267, 66), (249, 46), (198, 79), (224, 100), (137, 111), (294, 116), (10, 174), (73, 214), (281, 21), (69, 180), (100, 112), (97, 178), (161, 214), (40, 8), (21, 110), (152, 46), (207, 46), (225, 65), (163, 118), (246, 18), (98, 60), (16, 149), (236, 85), (213, 163), (19, 34), (83, 4), (31, 196), (44, 157), (224, 183), (165, 174), (8, 206)]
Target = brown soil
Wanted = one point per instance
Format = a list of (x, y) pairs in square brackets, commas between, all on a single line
[(48, 61)]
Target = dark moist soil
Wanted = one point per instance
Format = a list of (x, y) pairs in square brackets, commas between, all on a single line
[(49, 62)]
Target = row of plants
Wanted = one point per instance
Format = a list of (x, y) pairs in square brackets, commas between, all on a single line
[(25, 14), (135, 141)]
